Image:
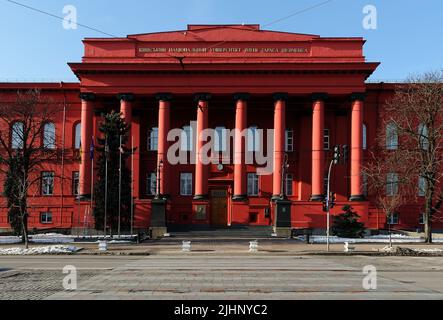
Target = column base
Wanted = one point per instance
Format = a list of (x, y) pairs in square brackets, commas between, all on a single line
[(317, 198), (357, 198), (283, 232), (157, 232), (276, 198), (240, 198), (201, 197), (84, 197)]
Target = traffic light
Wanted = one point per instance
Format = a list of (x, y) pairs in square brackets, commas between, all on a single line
[(337, 154), (333, 200), (325, 205), (345, 154)]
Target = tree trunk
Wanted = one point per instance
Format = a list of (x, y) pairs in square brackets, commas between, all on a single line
[(25, 238), (428, 218)]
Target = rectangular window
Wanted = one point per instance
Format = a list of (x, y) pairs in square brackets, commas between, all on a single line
[(422, 218), (392, 184), (327, 140), (220, 139), (153, 139), (289, 184), (76, 183), (186, 184), (421, 187), (253, 139), (187, 139), (394, 218), (289, 140), (47, 183), (252, 184), (17, 136), (46, 218), (151, 184)]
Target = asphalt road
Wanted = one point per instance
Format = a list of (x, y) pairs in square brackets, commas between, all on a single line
[(222, 277)]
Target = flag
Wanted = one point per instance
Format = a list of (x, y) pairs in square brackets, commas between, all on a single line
[(92, 149)]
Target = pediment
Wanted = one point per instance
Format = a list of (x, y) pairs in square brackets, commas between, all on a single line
[(228, 33)]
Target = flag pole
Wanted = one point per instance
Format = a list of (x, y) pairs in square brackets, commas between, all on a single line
[(120, 188), (106, 184), (132, 185)]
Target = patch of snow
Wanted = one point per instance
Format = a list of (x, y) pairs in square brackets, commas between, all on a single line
[(428, 250), (396, 238), (51, 238), (39, 250), (10, 240)]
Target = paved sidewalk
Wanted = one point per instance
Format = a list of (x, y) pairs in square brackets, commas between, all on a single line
[(256, 278)]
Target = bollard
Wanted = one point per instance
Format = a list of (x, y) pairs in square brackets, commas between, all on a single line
[(186, 247), (102, 246), (253, 246)]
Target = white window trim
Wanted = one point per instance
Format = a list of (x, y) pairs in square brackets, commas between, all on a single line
[(327, 139), (46, 214), (151, 184), (153, 139), (185, 192), (289, 140), (256, 185), (291, 180), (49, 136)]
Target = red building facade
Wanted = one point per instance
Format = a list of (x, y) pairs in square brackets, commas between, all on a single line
[(310, 90)]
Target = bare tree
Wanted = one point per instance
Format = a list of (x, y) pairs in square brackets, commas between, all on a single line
[(389, 180), (416, 112), (24, 148)]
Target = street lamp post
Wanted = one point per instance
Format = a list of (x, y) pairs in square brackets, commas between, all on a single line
[(158, 193)]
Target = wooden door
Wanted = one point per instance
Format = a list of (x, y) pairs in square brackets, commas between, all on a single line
[(219, 207)]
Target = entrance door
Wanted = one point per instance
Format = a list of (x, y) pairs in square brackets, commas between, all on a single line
[(219, 207)]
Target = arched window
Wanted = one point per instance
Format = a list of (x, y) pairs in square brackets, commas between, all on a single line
[(365, 137), (153, 139), (49, 136), (391, 136), (78, 136), (220, 139), (424, 136), (17, 136)]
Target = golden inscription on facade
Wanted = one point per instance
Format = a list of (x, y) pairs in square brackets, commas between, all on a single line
[(225, 50)]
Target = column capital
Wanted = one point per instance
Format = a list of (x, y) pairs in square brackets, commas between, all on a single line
[(243, 96), (202, 96), (358, 96), (319, 96), (280, 96), (129, 97), (164, 96), (87, 96)]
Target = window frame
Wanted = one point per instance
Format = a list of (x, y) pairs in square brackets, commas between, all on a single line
[(327, 139), (394, 219), (47, 215), (75, 181), (153, 139), (49, 145), (365, 137), (289, 182), (392, 184), (256, 184), (188, 180), (392, 136), (253, 134), (77, 136), (42, 185), (18, 142), (289, 140), (150, 183)]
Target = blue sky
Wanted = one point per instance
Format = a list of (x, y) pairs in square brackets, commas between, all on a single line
[(408, 38)]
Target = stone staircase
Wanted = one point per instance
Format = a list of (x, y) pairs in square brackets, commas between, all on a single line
[(222, 233)]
